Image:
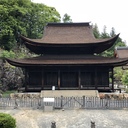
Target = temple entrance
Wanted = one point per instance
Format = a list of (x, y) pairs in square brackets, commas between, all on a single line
[(69, 80), (50, 79), (87, 80), (34, 81)]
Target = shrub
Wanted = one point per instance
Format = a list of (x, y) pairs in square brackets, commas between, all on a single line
[(7, 121), (8, 54)]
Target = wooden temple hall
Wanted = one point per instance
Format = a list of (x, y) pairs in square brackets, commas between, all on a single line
[(68, 59)]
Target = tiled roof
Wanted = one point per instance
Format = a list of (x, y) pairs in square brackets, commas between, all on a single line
[(121, 52), (63, 35), (68, 60), (70, 33)]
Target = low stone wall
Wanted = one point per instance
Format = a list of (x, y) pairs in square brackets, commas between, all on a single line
[(119, 96), (25, 95)]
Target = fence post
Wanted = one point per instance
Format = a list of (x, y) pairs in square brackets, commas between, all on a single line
[(83, 106), (16, 104), (53, 124), (106, 104), (92, 124), (61, 102)]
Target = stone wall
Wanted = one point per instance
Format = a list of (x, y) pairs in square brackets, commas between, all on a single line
[(25, 95), (118, 96)]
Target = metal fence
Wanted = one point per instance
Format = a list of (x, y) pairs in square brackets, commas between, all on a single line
[(64, 103)]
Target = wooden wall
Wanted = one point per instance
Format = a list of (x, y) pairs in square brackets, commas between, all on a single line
[(70, 77)]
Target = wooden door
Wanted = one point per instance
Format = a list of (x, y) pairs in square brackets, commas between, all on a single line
[(50, 79), (69, 80), (35, 79)]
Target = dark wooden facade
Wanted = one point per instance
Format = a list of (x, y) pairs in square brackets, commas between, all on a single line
[(68, 59), (67, 78)]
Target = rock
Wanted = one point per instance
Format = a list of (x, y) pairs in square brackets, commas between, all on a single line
[(119, 96), (125, 96), (107, 96), (101, 95), (25, 95)]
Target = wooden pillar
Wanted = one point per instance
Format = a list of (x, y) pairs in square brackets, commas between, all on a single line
[(59, 79), (112, 80), (26, 80), (96, 78), (42, 87), (79, 80)]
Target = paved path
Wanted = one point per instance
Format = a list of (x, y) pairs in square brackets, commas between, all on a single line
[(70, 93), (79, 118)]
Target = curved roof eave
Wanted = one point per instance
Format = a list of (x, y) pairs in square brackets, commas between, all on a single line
[(39, 42), (99, 45), (107, 45), (29, 63)]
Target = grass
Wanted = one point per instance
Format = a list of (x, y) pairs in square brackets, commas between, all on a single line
[(7, 93)]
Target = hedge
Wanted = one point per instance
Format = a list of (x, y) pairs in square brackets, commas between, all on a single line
[(7, 121)]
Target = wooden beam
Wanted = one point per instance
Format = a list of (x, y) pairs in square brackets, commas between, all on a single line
[(42, 79)]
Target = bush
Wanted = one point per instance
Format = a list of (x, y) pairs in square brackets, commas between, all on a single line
[(8, 54), (7, 121)]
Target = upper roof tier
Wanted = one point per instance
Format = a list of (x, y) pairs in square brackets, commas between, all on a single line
[(68, 38)]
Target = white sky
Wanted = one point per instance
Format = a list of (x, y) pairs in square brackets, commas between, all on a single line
[(111, 13)]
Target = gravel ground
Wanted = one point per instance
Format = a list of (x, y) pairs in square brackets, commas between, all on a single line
[(78, 118)]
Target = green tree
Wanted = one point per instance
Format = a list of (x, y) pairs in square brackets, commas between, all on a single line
[(96, 31), (119, 42), (38, 17), (66, 18), (104, 34), (25, 17), (124, 78), (118, 73), (112, 32)]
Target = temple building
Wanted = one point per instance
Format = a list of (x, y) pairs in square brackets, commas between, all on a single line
[(122, 52), (68, 59)]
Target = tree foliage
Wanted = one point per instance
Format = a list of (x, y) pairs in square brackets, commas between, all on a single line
[(104, 35), (25, 17), (96, 31), (124, 78), (66, 18)]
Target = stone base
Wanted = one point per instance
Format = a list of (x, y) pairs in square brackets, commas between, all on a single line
[(70, 93), (48, 108), (57, 93)]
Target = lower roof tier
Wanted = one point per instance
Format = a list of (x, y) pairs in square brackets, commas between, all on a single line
[(68, 60)]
